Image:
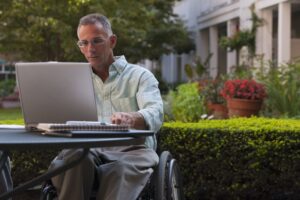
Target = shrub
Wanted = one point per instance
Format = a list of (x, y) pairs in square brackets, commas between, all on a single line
[(187, 104), (167, 102), (242, 158), (283, 88), (29, 164), (7, 87), (212, 90)]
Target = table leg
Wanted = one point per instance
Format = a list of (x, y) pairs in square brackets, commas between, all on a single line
[(48, 175), (5, 176), (3, 158)]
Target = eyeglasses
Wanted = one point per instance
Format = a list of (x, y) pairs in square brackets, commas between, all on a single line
[(95, 42)]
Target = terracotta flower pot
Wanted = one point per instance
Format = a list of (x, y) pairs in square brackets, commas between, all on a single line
[(243, 107), (219, 111)]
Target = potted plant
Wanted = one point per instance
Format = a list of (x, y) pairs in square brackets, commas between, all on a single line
[(244, 97), (214, 100)]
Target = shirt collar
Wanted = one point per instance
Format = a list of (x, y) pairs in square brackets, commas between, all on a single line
[(119, 64)]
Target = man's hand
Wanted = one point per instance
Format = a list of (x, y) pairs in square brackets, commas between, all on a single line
[(132, 119)]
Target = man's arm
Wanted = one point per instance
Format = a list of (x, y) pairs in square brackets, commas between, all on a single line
[(150, 106)]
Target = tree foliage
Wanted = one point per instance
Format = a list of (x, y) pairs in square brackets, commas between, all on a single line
[(42, 30)]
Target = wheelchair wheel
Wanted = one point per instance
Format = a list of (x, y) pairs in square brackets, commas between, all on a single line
[(174, 182), (168, 182)]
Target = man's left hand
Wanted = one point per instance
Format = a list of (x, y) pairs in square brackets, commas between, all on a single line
[(132, 119)]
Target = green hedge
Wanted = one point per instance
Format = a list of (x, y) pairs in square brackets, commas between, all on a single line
[(243, 158), (29, 164)]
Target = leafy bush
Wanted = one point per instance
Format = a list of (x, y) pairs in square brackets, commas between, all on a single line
[(29, 164), (187, 105), (167, 101), (283, 88), (242, 158), (7, 87), (211, 90)]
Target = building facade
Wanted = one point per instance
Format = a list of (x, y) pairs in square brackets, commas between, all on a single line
[(277, 40)]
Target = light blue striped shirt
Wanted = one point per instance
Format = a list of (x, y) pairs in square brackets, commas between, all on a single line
[(130, 88)]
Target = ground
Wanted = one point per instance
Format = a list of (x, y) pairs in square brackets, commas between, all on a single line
[(28, 195)]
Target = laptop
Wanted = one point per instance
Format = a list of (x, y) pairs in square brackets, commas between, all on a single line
[(55, 92)]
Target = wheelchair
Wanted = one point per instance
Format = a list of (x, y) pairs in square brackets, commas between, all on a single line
[(164, 184)]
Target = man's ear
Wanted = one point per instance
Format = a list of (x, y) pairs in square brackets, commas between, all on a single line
[(113, 41)]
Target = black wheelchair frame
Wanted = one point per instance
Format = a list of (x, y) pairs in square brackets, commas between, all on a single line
[(164, 184)]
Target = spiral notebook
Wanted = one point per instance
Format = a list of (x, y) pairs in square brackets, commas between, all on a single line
[(81, 129), (97, 126)]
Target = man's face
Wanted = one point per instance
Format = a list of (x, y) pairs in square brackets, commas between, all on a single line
[(96, 45)]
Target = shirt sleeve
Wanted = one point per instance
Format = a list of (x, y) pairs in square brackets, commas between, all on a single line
[(150, 102)]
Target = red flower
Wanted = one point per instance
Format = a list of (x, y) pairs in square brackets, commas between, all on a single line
[(243, 89)]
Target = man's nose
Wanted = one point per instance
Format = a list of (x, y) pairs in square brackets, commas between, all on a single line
[(91, 46)]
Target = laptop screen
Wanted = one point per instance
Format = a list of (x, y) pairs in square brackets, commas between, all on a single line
[(56, 92)]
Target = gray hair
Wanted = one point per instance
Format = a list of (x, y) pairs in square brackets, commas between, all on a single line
[(95, 18)]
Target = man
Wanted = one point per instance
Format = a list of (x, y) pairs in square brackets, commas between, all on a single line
[(125, 94)]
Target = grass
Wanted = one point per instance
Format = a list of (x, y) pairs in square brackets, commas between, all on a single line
[(11, 116)]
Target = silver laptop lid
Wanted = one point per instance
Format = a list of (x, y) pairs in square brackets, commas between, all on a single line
[(56, 92)]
